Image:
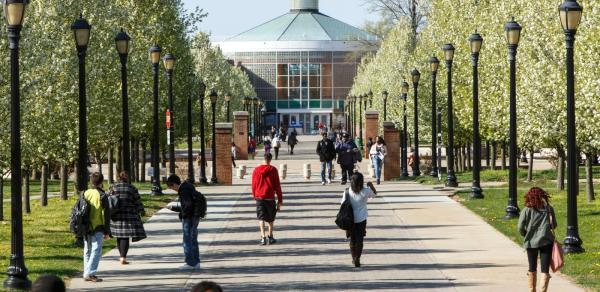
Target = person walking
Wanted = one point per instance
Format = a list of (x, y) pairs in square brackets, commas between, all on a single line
[(99, 228), (252, 147), (378, 152), (126, 222), (272, 132), (265, 184), (268, 145), (358, 195), (190, 218), (536, 223), (276, 144), (282, 133), (346, 153), (233, 154), (326, 152), (292, 140)]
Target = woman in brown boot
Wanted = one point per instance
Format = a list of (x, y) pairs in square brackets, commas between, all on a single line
[(536, 223)]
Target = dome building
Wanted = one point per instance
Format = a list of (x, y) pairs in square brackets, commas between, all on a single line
[(302, 65)]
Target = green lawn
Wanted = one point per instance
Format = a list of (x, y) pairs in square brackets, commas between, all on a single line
[(54, 187)]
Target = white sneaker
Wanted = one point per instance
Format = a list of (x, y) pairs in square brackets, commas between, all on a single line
[(186, 267), (322, 183), (329, 181)]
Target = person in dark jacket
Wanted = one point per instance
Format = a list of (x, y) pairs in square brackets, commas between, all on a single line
[(292, 140), (126, 223), (326, 152), (189, 220), (346, 150)]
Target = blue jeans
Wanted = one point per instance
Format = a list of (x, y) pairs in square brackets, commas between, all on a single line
[(325, 165), (190, 241), (92, 252), (377, 164)]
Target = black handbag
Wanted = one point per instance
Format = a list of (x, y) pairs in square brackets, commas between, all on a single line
[(345, 217)]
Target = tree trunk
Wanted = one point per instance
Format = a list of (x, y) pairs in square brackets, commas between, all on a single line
[(458, 158), (132, 156), (560, 174), (589, 177), (111, 172), (44, 187), (99, 164), (503, 150), (26, 203), (530, 166), (137, 160), (1, 197), (37, 175), (119, 158), (143, 164), (494, 154), (64, 181), (163, 161), (469, 158), (487, 154)]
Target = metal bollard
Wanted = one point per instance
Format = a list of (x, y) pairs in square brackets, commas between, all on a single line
[(283, 171), (307, 171), (240, 173)]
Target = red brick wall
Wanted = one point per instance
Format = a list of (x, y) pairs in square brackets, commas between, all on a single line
[(240, 134), (224, 167), (391, 166), (371, 128)]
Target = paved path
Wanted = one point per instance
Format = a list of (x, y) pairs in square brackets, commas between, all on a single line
[(417, 239)]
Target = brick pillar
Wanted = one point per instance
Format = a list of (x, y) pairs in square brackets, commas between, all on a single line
[(223, 141), (371, 128), (391, 166), (240, 134)]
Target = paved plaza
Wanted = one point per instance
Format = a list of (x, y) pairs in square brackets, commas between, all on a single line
[(418, 239)]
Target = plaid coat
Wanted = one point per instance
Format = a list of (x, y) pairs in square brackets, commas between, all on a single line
[(127, 223)]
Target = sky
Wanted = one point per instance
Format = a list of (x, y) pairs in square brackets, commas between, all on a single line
[(227, 18)]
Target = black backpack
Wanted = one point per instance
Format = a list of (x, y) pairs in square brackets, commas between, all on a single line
[(79, 221), (199, 204), (345, 217)]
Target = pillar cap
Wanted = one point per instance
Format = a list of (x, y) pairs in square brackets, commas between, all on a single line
[(389, 125), (372, 112), (241, 114), (224, 126)]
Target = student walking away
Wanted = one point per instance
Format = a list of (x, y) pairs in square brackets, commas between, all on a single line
[(536, 224), (346, 153), (207, 286), (233, 154), (272, 132), (265, 184), (192, 207), (99, 227), (276, 145), (292, 140), (326, 152), (358, 195), (126, 222), (378, 151), (252, 147), (282, 133), (48, 283), (267, 144)]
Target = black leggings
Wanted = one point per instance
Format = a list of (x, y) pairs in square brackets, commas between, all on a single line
[(123, 245), (357, 237), (545, 253)]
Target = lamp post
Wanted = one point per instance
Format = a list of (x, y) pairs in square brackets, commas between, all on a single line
[(416, 76), (190, 155), (169, 61), (155, 61), (370, 99), (14, 11), (353, 110), (451, 178), (202, 178), (434, 64), (403, 143), (213, 152), (256, 131), (385, 97), (476, 41), (228, 100), (570, 16), (513, 35), (247, 108), (81, 30), (360, 121), (122, 45)]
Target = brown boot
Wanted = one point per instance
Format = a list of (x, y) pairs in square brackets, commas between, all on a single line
[(532, 280), (544, 282)]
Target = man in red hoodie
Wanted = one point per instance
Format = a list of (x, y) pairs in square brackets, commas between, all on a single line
[(265, 184)]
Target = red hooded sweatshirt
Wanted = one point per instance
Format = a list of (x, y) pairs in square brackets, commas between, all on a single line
[(265, 183)]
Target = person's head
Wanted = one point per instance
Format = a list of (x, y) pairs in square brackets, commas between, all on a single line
[(206, 286), (124, 177), (268, 157), (324, 136), (96, 179), (380, 140), (357, 182), (232, 144), (536, 198), (345, 137), (48, 283), (173, 182), (370, 139)]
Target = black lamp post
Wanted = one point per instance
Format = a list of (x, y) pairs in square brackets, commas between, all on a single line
[(513, 35), (155, 61), (370, 99), (81, 30), (190, 155), (570, 17), (228, 101), (14, 10), (385, 97), (169, 62), (476, 41), (256, 132), (451, 178), (247, 108), (434, 64), (360, 120), (404, 142), (416, 76), (213, 152), (353, 111), (122, 44), (202, 178)]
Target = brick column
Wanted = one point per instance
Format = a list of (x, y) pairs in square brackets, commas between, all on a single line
[(371, 128), (240, 134), (223, 140), (391, 166)]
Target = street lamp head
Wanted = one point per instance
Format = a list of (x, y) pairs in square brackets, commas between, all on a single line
[(122, 42), (385, 94), (448, 52), (513, 32), (570, 15), (434, 64), (227, 96), (14, 12), (169, 61), (416, 76), (155, 54), (370, 94), (81, 30), (213, 96), (202, 89), (404, 87), (476, 41)]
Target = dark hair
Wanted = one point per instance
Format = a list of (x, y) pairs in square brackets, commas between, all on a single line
[(232, 143), (206, 286), (536, 197), (380, 140), (357, 182), (173, 180), (268, 156), (48, 283), (96, 179), (124, 177)]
